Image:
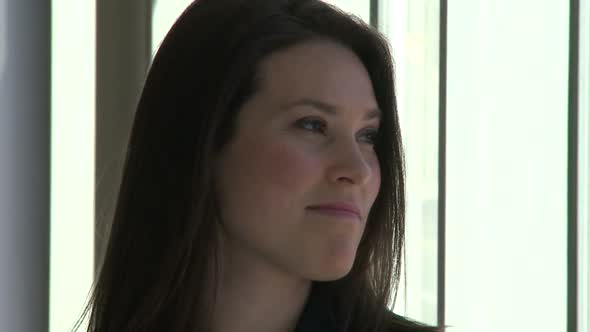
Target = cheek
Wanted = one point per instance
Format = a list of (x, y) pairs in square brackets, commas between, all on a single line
[(283, 169), (264, 179)]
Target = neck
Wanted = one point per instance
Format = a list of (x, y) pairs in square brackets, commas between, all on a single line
[(255, 296)]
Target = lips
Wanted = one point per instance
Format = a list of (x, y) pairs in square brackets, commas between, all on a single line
[(338, 208)]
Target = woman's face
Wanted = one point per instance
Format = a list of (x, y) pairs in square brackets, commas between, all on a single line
[(304, 139)]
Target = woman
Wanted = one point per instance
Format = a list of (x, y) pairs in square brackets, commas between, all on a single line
[(263, 188)]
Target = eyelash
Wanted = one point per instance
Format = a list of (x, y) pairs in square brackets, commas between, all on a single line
[(373, 133)]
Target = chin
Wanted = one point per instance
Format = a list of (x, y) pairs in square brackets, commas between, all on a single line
[(330, 273), (328, 263)]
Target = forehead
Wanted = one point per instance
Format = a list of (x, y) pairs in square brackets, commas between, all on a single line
[(320, 70)]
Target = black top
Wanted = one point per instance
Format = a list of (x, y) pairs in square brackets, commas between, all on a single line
[(315, 316)]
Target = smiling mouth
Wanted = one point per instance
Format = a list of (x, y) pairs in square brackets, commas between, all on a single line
[(334, 212)]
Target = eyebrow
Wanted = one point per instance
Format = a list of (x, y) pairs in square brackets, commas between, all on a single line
[(329, 108)]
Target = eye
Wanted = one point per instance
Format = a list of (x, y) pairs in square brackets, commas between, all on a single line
[(370, 136), (312, 124)]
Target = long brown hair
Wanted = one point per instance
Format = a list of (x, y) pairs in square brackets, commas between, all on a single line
[(162, 244)]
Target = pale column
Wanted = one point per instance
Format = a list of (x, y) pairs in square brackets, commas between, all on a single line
[(24, 164)]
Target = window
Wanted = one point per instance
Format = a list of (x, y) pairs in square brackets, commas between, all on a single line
[(72, 160)]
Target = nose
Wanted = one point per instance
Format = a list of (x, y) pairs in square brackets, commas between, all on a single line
[(350, 164)]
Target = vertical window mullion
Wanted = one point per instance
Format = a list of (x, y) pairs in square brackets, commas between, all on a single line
[(442, 166), (572, 248)]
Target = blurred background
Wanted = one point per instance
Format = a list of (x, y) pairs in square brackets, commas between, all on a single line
[(494, 100)]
